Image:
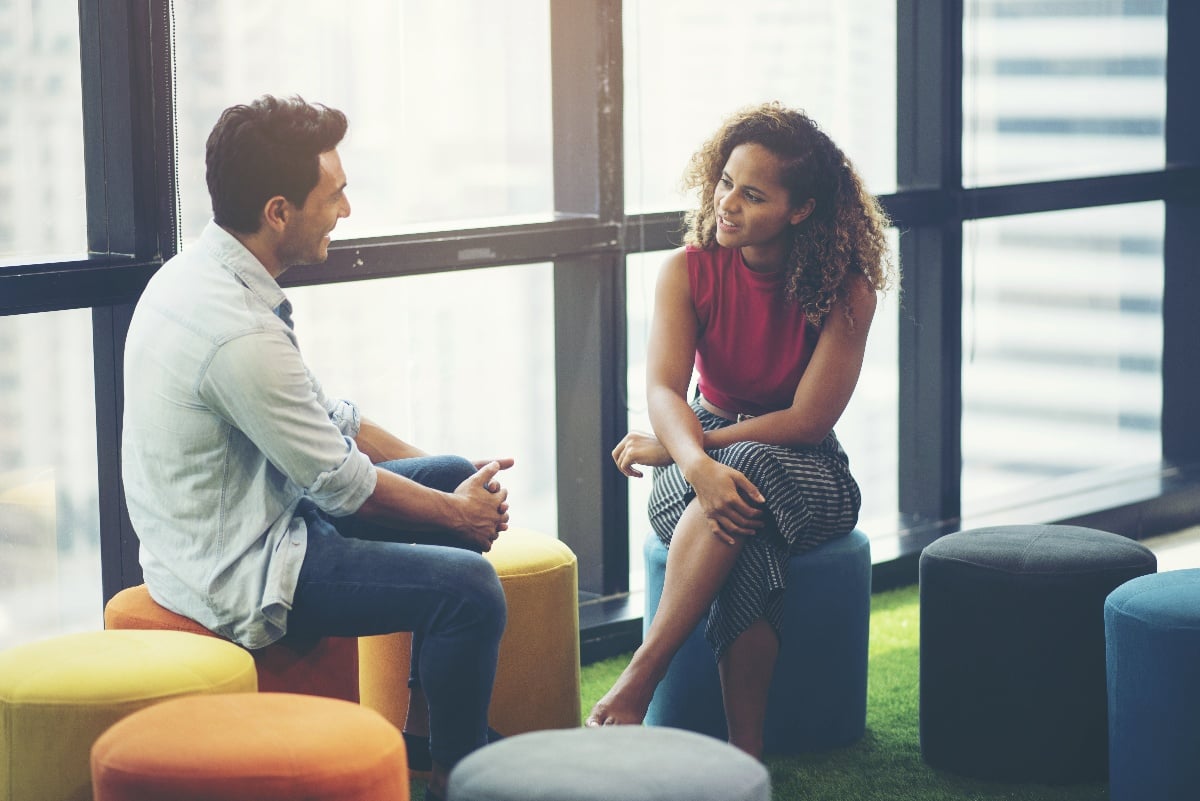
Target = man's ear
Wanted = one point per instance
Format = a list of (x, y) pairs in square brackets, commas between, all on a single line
[(276, 212), (800, 214)]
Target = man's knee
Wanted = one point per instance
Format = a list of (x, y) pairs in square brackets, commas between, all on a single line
[(455, 468), (443, 472), (484, 595)]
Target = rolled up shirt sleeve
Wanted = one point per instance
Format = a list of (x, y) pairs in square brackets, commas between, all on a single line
[(345, 488), (343, 413), (259, 384)]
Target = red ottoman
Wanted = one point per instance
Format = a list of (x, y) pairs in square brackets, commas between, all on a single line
[(327, 667)]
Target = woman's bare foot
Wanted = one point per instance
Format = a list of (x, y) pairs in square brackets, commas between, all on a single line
[(626, 703)]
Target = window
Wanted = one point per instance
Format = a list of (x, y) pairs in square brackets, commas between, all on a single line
[(49, 513), (458, 363), (41, 132), (452, 137), (640, 276), (1062, 351), (689, 63), (868, 428), (1062, 89), (449, 117)]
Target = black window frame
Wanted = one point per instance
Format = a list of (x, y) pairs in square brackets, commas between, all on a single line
[(125, 52)]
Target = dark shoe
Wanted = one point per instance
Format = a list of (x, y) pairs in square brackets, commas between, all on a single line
[(419, 759), (417, 746)]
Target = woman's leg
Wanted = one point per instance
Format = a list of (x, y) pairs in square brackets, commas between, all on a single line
[(746, 668), (697, 565)]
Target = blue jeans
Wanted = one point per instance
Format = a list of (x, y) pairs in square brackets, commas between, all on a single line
[(360, 579)]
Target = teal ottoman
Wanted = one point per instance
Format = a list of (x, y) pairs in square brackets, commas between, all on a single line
[(1152, 647), (818, 697)]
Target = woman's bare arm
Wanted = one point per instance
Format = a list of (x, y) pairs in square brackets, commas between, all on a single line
[(729, 499)]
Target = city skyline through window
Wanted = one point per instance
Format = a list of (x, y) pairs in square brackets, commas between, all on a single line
[(451, 129)]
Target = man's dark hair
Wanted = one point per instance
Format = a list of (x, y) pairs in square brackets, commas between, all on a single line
[(267, 148)]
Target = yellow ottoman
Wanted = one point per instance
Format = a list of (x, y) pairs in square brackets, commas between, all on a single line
[(58, 695), (537, 677)]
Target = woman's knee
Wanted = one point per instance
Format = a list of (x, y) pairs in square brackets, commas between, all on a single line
[(749, 458)]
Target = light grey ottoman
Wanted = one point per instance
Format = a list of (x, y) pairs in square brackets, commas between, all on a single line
[(613, 763)]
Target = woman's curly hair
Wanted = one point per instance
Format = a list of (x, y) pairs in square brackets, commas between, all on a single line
[(844, 235)]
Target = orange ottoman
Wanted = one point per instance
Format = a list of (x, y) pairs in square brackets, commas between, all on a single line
[(260, 747), (326, 667)]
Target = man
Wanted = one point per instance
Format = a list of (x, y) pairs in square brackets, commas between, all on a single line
[(265, 507)]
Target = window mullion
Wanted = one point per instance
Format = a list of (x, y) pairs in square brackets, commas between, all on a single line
[(589, 299), (929, 147), (1181, 242)]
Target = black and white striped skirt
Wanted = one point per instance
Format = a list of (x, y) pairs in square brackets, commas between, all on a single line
[(811, 497)]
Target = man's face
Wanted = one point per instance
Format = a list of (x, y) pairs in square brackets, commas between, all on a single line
[(306, 237)]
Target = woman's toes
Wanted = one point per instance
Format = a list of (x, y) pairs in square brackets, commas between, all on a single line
[(598, 717)]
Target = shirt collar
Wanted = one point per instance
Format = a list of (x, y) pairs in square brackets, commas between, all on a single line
[(233, 256)]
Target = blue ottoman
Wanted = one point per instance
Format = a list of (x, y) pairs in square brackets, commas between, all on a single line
[(818, 697), (1012, 650), (1152, 630)]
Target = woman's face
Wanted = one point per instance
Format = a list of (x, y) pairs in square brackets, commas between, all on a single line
[(753, 208)]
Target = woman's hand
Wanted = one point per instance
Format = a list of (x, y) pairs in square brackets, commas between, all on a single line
[(730, 501), (638, 448)]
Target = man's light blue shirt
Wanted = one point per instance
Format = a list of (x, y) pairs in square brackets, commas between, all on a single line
[(225, 431)]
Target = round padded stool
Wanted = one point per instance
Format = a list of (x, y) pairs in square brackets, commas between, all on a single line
[(1012, 681), (328, 666), (58, 695), (537, 675), (818, 696), (612, 763), (262, 747), (1152, 630)]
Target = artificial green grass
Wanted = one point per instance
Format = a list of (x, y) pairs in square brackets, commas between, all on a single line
[(886, 764)]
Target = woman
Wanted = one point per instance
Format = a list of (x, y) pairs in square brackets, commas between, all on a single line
[(770, 301)]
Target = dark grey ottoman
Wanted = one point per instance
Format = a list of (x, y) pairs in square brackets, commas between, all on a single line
[(1012, 650), (613, 763)]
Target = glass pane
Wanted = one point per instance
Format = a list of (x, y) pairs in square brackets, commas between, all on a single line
[(868, 428), (689, 63), (42, 209), (50, 580), (641, 271), (457, 363), (1062, 89), (449, 103), (1062, 350)]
